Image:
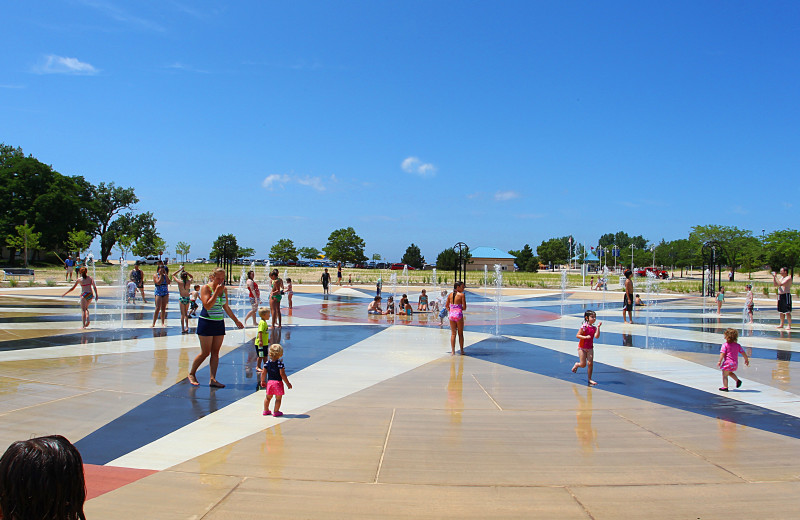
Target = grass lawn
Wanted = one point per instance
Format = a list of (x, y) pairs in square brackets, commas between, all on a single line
[(109, 275)]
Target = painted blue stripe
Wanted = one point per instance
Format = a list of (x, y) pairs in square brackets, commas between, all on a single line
[(182, 403), (550, 363)]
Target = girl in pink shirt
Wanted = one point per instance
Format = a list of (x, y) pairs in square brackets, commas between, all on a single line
[(586, 335), (729, 358)]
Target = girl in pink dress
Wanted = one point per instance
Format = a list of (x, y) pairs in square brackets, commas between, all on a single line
[(729, 358)]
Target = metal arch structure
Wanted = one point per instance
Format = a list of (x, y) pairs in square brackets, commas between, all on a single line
[(462, 254), (713, 255)]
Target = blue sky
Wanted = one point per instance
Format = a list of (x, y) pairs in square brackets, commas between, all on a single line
[(432, 122)]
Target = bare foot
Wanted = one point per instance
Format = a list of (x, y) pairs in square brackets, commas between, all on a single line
[(574, 369), (216, 384), (462, 351), (193, 380), (592, 383)]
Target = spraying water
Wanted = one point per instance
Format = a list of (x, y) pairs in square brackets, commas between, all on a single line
[(604, 282), (650, 286), (706, 277), (90, 258), (243, 300), (405, 275), (563, 289), (393, 281), (123, 291), (434, 280), (485, 279), (266, 273), (498, 282)]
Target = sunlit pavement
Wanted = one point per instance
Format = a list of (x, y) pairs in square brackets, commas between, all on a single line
[(383, 422)]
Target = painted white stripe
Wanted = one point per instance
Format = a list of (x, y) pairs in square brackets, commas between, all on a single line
[(662, 365), (387, 354)]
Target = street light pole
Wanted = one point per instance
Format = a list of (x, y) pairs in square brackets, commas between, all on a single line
[(632, 248)]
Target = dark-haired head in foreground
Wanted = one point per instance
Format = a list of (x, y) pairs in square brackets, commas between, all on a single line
[(42, 479)]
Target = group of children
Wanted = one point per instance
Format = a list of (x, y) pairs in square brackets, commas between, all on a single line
[(728, 356)]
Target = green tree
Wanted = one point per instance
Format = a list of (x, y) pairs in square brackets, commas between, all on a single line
[(309, 252), (182, 249), (25, 239), (447, 259), (413, 257), (525, 259), (109, 200), (622, 240), (783, 249), (224, 247), (124, 244), (149, 243), (245, 252), (554, 251), (52, 203), (78, 241), (284, 250), (344, 245), (734, 241)]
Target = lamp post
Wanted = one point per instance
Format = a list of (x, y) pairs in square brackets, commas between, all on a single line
[(615, 254), (632, 248)]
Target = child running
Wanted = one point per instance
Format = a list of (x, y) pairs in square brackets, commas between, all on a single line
[(262, 340), (748, 301), (720, 299), (193, 300), (729, 358), (587, 333), (276, 377)]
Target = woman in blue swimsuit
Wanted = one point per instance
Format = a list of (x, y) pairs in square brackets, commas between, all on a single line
[(162, 281)]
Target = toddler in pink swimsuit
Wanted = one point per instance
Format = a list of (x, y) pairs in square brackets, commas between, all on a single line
[(729, 358)]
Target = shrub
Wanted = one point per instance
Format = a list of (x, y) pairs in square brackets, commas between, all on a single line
[(13, 282), (31, 283), (50, 283), (765, 290), (107, 280)]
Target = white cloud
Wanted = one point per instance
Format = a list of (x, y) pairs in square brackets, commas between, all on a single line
[(414, 165), (279, 181), (186, 68), (312, 182), (502, 196), (273, 179), (53, 64)]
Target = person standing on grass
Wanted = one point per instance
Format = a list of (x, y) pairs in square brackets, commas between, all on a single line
[(211, 326), (68, 264), (784, 285), (627, 301)]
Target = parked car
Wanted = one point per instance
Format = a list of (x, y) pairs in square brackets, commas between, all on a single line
[(660, 273), (381, 265), (199, 261), (149, 260), (399, 267)]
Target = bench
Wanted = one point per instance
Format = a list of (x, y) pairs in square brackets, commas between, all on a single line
[(9, 272)]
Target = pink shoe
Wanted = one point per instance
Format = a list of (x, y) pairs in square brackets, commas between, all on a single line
[(278, 414), (266, 412)]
